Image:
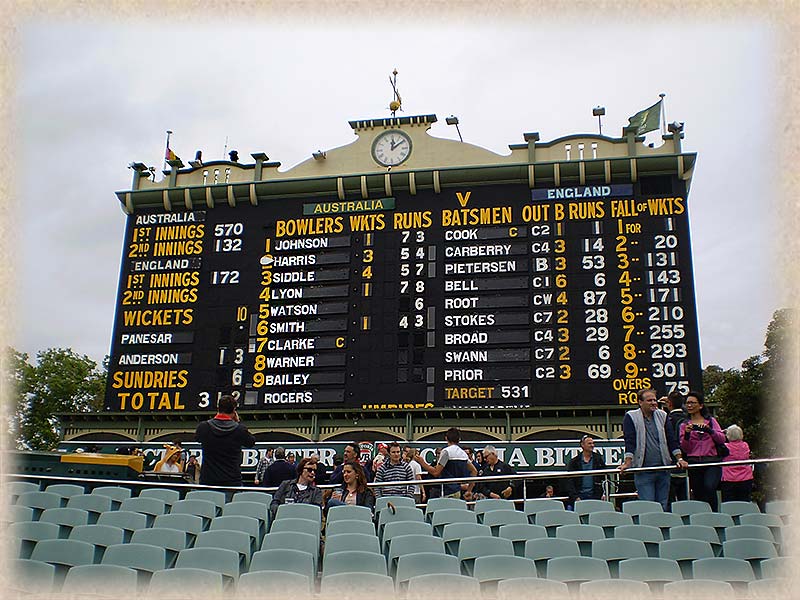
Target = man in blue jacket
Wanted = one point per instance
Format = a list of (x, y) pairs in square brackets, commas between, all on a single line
[(650, 442)]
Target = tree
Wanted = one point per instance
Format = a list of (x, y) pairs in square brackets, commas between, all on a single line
[(61, 381)]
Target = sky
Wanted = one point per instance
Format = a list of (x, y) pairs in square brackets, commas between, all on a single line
[(92, 95)]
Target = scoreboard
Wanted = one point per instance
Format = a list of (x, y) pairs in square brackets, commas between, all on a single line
[(482, 296)]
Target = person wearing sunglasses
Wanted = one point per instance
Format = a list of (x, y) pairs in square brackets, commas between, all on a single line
[(298, 491)]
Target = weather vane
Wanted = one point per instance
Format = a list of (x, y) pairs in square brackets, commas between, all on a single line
[(397, 103)]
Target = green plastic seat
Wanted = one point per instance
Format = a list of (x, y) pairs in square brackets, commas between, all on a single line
[(445, 516), (93, 504), (65, 490), (442, 585), (637, 508), (485, 505), (663, 520), (608, 520), (382, 501), (30, 577), (295, 561), (685, 508), (697, 532), (542, 550), (736, 508), (754, 551), (117, 493), (221, 560), (185, 582), (495, 519), (346, 526), (530, 587), (63, 554), (574, 570), (299, 511), (215, 497), (489, 570), (202, 508), (424, 563), (245, 508), (353, 561), (247, 525), (65, 518), (348, 512), (774, 568), (685, 551), (308, 526), (352, 541), (101, 536), (238, 541), (735, 571), (397, 528), (773, 522), (435, 504), (144, 558), (402, 545), (39, 502), (253, 496), (471, 548), (536, 505), (551, 519), (150, 507), (191, 525), (125, 520), (453, 532), (769, 589), (698, 589), (293, 541), (651, 536), (613, 589), (172, 540), (274, 585), (583, 534), (100, 580), (655, 572), (613, 550), (31, 532), (719, 521), (583, 508), (401, 513), (365, 585), (521, 533), (166, 495)]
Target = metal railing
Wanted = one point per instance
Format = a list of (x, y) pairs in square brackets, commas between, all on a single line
[(611, 475)]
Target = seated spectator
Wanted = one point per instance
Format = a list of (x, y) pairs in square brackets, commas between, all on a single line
[(548, 492), (171, 461), (585, 487), (298, 491), (737, 481), (354, 488), (493, 466)]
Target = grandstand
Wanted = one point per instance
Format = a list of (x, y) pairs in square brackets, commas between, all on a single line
[(178, 540)]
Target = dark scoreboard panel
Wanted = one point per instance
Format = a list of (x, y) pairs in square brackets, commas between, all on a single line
[(485, 297)]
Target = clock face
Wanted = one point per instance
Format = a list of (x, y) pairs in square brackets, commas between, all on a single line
[(391, 148)]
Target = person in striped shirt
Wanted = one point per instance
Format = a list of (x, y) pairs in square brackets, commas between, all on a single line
[(394, 469)]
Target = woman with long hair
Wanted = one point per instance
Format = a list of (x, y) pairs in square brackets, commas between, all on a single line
[(700, 437), (354, 488)]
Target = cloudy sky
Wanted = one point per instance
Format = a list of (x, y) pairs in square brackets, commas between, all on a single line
[(93, 94)]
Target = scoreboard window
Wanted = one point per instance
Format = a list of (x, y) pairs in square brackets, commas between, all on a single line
[(494, 296)]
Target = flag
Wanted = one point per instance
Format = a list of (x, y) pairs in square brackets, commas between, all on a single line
[(170, 155), (646, 120)]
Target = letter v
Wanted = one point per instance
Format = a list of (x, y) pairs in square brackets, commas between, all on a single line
[(463, 198)]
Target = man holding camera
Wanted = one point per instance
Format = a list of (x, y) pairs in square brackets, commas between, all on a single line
[(222, 439)]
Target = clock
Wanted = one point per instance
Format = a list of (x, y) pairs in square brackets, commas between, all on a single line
[(391, 148)]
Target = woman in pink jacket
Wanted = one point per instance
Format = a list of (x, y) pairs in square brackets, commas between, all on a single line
[(699, 436), (737, 481)]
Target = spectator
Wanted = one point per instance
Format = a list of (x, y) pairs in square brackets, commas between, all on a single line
[(267, 458), (291, 459), (322, 471), (351, 453), (701, 437), (549, 492), (676, 415), (649, 442), (280, 470), (494, 466), (192, 469), (418, 491), (478, 462), (171, 461), (383, 451), (737, 481), (394, 469), (300, 490), (585, 487), (452, 463), (222, 439), (354, 488)]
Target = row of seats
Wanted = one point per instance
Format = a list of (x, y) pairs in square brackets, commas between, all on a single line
[(582, 508), (418, 575)]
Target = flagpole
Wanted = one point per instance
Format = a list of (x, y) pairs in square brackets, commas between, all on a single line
[(166, 151), (663, 115)]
